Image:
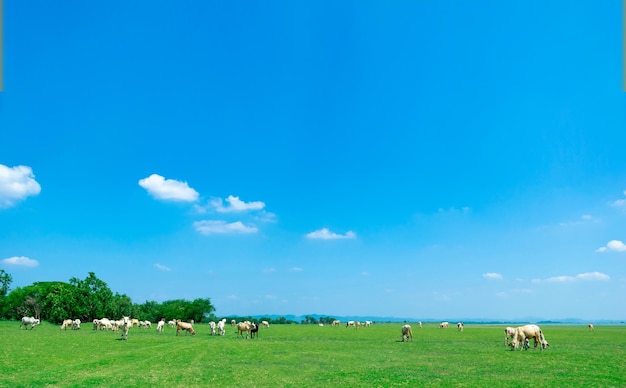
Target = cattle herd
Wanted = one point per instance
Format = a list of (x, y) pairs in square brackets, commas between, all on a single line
[(515, 337)]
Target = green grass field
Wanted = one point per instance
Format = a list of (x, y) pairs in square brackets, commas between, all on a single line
[(310, 356)]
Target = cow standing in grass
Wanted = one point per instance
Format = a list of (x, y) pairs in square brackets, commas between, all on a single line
[(126, 324)]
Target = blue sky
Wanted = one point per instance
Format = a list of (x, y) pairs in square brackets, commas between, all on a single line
[(409, 159)]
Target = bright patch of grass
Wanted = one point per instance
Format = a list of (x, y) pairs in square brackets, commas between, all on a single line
[(309, 355)]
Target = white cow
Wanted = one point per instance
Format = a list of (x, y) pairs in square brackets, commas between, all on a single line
[(32, 321), (509, 332), (590, 326), (367, 323), (66, 323), (407, 333), (266, 324), (160, 326), (221, 327), (212, 325), (350, 323), (419, 324), (126, 324), (172, 323), (525, 333), (460, 326), (76, 324), (336, 322), (444, 325)]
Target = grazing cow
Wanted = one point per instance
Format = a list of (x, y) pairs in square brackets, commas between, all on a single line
[(134, 322), (419, 324), (32, 321), (254, 330), (407, 333), (266, 324), (76, 324), (590, 326), (145, 324), (233, 322), (221, 329), (212, 325), (185, 326), (525, 333), (126, 324), (336, 322), (244, 326), (444, 325), (172, 323), (367, 323), (66, 323), (460, 326), (509, 332), (350, 323), (160, 326)]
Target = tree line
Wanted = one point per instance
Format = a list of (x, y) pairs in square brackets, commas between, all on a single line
[(88, 299)]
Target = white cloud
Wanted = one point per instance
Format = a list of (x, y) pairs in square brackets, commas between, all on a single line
[(296, 269), (162, 267), (621, 203), (214, 226), (613, 245), (582, 276), (21, 261), (168, 189), (325, 234), (235, 205), (585, 218), (16, 183), (492, 275)]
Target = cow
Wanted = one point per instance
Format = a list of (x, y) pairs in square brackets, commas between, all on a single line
[(244, 326), (160, 326), (407, 333), (509, 332), (172, 323), (444, 325), (66, 323), (76, 324), (590, 326), (32, 321), (350, 323), (265, 323), (212, 325), (221, 329), (254, 330), (185, 326), (460, 326), (126, 324), (134, 322), (419, 324), (336, 322), (525, 333)]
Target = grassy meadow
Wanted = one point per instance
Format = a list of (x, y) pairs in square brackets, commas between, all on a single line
[(310, 356)]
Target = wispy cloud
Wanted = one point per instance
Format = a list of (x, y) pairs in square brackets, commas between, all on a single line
[(296, 269), (325, 234), (235, 205), (168, 189), (16, 183), (492, 275), (620, 203), (162, 267), (613, 245), (585, 218), (21, 261), (223, 227), (587, 276)]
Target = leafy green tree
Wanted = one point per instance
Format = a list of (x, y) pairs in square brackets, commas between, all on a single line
[(94, 297), (5, 282)]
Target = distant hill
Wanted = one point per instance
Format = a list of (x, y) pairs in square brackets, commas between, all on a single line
[(528, 319)]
